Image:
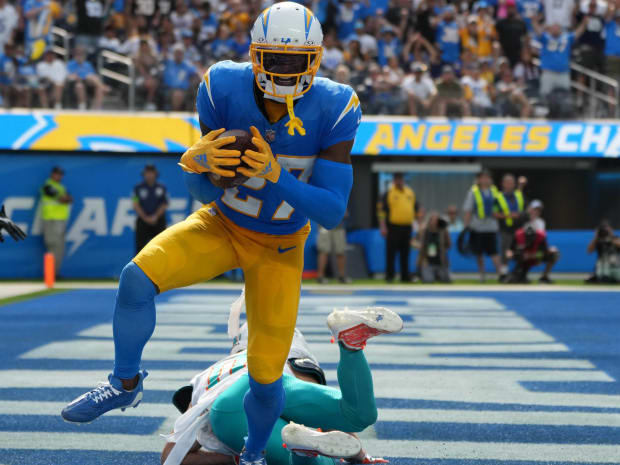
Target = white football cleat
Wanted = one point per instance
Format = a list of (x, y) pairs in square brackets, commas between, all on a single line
[(311, 443), (353, 327)]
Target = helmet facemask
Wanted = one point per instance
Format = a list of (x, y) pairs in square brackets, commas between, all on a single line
[(281, 71)]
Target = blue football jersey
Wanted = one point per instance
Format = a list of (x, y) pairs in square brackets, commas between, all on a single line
[(330, 113)]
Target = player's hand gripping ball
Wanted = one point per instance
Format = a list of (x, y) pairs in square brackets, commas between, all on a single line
[(262, 163), (218, 153)]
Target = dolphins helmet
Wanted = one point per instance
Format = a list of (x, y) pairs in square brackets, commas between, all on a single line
[(286, 50)]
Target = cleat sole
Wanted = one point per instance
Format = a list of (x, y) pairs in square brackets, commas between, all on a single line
[(335, 444)]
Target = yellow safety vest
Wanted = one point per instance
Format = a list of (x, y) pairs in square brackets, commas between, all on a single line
[(504, 205), (480, 201), (51, 208)]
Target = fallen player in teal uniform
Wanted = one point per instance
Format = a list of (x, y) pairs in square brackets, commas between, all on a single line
[(316, 420)]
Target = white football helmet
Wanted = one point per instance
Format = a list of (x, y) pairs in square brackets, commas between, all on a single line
[(286, 50)]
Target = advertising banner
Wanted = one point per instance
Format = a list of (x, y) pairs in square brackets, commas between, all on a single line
[(173, 132)]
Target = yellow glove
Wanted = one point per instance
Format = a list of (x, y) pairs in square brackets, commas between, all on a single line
[(262, 163), (206, 155)]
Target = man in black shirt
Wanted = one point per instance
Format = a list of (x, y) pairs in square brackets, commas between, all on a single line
[(150, 201), (90, 15), (591, 44), (511, 31)]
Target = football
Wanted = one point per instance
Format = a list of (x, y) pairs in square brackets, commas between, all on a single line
[(242, 143)]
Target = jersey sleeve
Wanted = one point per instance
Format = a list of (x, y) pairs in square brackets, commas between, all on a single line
[(347, 117), (208, 114)]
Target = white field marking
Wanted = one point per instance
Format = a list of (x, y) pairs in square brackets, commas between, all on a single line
[(509, 451), (97, 349), (27, 407), (153, 410), (567, 453), (17, 289), (157, 379), (500, 418)]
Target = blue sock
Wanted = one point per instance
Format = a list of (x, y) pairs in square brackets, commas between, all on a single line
[(134, 320), (263, 405)]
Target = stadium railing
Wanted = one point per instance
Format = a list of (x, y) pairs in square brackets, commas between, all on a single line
[(108, 64)]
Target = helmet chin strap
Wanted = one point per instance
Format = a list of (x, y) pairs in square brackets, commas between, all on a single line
[(294, 124)]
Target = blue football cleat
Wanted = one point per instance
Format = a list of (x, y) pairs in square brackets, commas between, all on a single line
[(246, 458), (105, 397)]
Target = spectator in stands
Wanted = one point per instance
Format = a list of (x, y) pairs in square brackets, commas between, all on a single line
[(208, 23), (342, 75), (534, 215), (192, 55), (388, 45), (90, 16), (26, 82), (478, 217), (241, 45), (511, 31), (55, 207), (448, 41), (591, 44), (235, 16), (455, 224), (527, 74), (529, 9), (607, 247), (333, 241), (508, 209), (560, 12), (557, 45), (222, 47), (510, 99), (417, 48), (396, 214), (434, 241), (478, 37), (8, 72), (419, 89), (179, 76), (9, 20), (131, 45), (109, 40), (82, 76), (52, 73), (356, 62), (529, 249), (368, 42), (478, 92), (450, 100), (182, 17), (150, 200), (332, 55), (348, 13), (612, 47), (147, 77)]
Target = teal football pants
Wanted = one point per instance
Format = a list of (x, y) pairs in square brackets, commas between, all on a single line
[(350, 409)]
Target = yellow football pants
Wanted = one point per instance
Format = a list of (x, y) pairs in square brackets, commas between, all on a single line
[(208, 244)]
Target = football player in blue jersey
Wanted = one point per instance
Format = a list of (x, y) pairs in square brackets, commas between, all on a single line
[(303, 130)]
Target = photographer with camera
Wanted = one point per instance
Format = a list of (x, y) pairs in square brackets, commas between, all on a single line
[(434, 242), (530, 248), (607, 247)]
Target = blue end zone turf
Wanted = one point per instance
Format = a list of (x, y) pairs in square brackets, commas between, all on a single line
[(543, 366)]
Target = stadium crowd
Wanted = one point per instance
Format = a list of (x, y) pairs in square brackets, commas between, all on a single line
[(418, 57)]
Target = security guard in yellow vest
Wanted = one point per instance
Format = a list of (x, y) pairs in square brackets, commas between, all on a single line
[(508, 209), (55, 209), (479, 219), (396, 213)]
